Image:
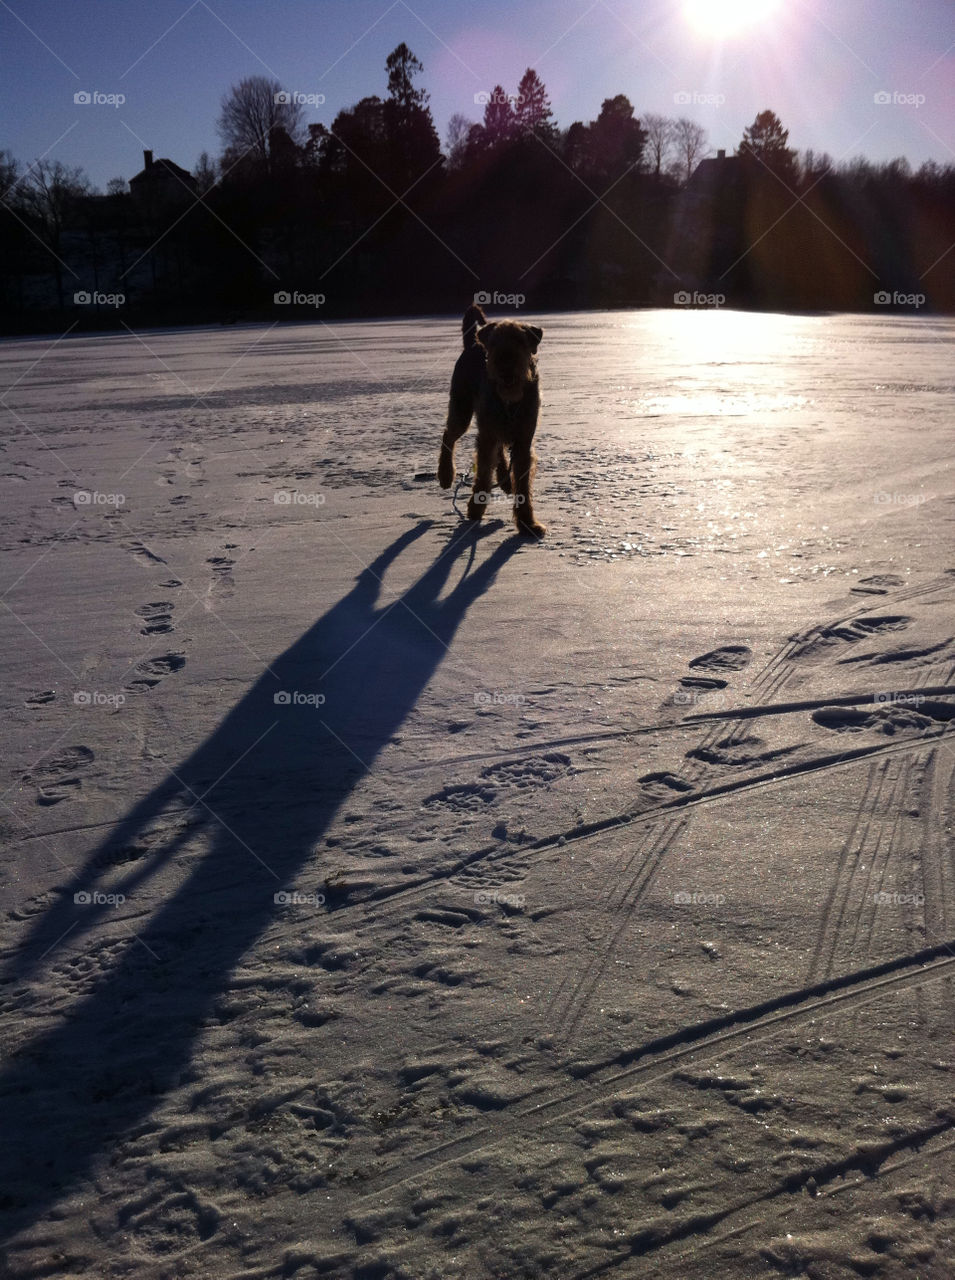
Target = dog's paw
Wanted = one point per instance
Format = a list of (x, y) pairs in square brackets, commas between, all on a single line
[(445, 471), (531, 528), (477, 504)]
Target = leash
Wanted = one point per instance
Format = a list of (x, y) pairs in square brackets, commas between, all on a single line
[(465, 478)]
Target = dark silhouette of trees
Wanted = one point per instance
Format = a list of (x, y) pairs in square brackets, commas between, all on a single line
[(402, 67), (366, 211), (47, 195), (498, 127), (9, 172), (617, 140), (659, 132), (456, 139), (409, 126), (813, 167), (12, 235), (206, 173), (257, 114), (689, 145), (533, 115), (764, 145)]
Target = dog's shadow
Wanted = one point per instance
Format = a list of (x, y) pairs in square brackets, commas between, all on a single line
[(258, 793)]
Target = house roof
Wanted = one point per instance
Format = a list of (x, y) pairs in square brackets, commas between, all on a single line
[(714, 166), (163, 168), (714, 174)]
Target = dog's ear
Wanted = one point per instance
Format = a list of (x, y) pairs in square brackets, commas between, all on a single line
[(534, 334), (485, 332)]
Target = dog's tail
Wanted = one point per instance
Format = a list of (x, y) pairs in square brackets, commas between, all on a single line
[(473, 318)]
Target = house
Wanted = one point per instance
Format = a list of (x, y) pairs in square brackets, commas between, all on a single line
[(707, 223), (713, 174), (161, 186)]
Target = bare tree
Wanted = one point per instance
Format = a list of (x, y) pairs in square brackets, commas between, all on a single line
[(690, 145), (9, 173), (459, 126), (206, 173), (813, 166), (660, 140), (252, 113), (47, 195)]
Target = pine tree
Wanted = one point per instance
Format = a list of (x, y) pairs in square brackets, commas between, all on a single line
[(764, 146), (532, 110)]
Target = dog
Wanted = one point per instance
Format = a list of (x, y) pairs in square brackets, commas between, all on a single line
[(495, 377)]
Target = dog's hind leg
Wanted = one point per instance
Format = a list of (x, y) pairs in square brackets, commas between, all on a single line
[(503, 470), (522, 462), (461, 405), (484, 460), (459, 419)]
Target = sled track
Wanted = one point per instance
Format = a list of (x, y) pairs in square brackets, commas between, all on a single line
[(599, 1082)]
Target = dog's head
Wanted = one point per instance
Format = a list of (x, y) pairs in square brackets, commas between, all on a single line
[(510, 351)]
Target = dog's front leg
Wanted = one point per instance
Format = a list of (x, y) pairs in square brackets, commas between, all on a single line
[(484, 460), (522, 465), (503, 470)]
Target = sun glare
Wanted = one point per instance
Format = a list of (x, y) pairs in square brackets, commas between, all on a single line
[(724, 18)]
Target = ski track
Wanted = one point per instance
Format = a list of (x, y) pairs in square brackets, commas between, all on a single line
[(658, 1059)]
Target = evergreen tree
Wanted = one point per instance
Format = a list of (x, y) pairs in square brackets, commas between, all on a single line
[(764, 145), (532, 110), (500, 122)]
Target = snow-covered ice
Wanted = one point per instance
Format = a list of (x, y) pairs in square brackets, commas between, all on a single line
[(391, 897)]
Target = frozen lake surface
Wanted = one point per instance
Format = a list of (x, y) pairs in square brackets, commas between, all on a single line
[(386, 896)]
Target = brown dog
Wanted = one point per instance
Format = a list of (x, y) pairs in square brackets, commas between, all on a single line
[(495, 377)]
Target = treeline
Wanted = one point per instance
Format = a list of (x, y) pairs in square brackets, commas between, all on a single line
[(371, 216)]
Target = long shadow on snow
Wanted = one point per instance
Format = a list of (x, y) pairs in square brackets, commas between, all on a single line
[(70, 1092)]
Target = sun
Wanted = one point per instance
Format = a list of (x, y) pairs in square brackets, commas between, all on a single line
[(723, 18)]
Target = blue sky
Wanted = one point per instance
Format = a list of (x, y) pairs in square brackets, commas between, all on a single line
[(818, 64)]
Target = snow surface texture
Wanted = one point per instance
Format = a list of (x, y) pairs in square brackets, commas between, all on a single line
[(390, 897)]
